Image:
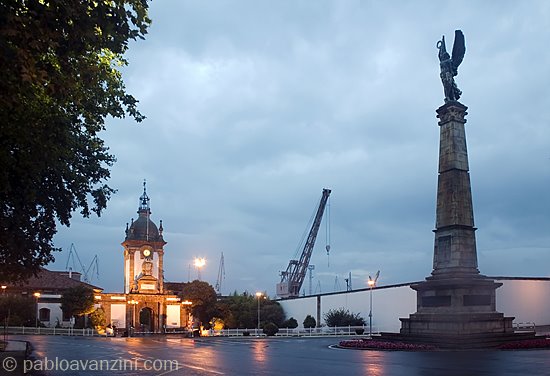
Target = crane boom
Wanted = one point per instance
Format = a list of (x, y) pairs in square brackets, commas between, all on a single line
[(293, 278), (221, 276)]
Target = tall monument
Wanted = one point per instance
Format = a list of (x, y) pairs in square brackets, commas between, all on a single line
[(455, 301)]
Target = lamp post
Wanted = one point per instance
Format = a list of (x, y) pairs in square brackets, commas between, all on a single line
[(6, 319), (199, 263), (372, 282), (36, 295), (259, 295)]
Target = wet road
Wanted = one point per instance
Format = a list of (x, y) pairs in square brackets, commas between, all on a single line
[(264, 356)]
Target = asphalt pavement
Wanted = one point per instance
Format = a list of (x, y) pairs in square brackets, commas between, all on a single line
[(159, 355)]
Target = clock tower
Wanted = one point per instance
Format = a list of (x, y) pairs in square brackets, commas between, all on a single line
[(143, 252)]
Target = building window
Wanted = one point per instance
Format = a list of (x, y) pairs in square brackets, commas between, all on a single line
[(44, 314)]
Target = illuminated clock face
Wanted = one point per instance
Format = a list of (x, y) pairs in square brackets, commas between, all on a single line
[(146, 253)]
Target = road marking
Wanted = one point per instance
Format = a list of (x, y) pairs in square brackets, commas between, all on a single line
[(192, 367)]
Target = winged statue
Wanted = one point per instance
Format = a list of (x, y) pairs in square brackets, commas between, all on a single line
[(449, 65)]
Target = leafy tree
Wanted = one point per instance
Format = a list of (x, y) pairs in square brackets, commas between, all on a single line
[(98, 318), (343, 317), (241, 311), (203, 296), (309, 322), (271, 311), (291, 323), (77, 301), (238, 311), (60, 80), (18, 310), (270, 329)]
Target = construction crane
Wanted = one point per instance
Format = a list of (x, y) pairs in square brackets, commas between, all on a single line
[(293, 278), (221, 276), (85, 273)]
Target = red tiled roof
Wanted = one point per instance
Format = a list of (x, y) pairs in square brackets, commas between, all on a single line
[(52, 280)]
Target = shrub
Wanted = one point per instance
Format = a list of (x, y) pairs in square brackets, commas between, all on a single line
[(97, 318), (343, 317), (290, 323), (309, 322), (270, 329)]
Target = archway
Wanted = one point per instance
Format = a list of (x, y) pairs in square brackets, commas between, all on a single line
[(146, 320)]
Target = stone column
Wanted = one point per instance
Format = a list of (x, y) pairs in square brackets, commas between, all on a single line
[(161, 271), (455, 252), (132, 271)]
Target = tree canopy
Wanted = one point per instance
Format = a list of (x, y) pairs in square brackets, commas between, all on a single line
[(60, 80), (343, 317), (77, 301), (203, 296), (17, 310), (241, 311)]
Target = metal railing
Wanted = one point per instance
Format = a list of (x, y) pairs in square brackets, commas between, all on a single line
[(297, 332), (283, 332), (86, 332)]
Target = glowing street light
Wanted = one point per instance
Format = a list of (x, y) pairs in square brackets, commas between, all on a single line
[(36, 295), (199, 263), (4, 287), (372, 282)]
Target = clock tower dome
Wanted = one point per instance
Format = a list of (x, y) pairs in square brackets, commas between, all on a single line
[(143, 252)]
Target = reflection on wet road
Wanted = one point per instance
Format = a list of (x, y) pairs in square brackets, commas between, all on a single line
[(264, 356)]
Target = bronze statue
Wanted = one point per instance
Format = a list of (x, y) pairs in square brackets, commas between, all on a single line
[(449, 65)]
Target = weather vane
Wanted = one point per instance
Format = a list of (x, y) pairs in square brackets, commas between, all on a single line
[(449, 65)]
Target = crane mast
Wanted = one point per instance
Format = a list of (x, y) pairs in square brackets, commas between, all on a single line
[(293, 278), (221, 276)]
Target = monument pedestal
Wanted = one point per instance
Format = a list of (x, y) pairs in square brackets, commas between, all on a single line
[(456, 306)]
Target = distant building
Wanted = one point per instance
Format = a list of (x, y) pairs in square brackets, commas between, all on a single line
[(46, 288)]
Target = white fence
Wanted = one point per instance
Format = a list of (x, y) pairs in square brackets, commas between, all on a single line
[(283, 332), (297, 332), (49, 331)]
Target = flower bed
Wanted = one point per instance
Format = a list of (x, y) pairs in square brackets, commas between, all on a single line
[(540, 343), (384, 345)]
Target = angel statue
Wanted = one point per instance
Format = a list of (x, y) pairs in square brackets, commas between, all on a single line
[(449, 65)]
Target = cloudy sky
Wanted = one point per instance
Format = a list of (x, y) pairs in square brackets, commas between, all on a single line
[(253, 107)]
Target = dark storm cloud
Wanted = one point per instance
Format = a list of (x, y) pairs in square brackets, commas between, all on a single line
[(254, 107)]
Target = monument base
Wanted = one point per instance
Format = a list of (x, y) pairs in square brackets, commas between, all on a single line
[(456, 324), (456, 303), (457, 310)]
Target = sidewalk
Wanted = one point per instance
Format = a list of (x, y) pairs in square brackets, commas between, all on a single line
[(11, 359)]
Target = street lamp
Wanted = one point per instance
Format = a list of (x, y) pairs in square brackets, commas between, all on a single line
[(199, 263), (4, 287), (372, 282), (259, 295), (36, 295)]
